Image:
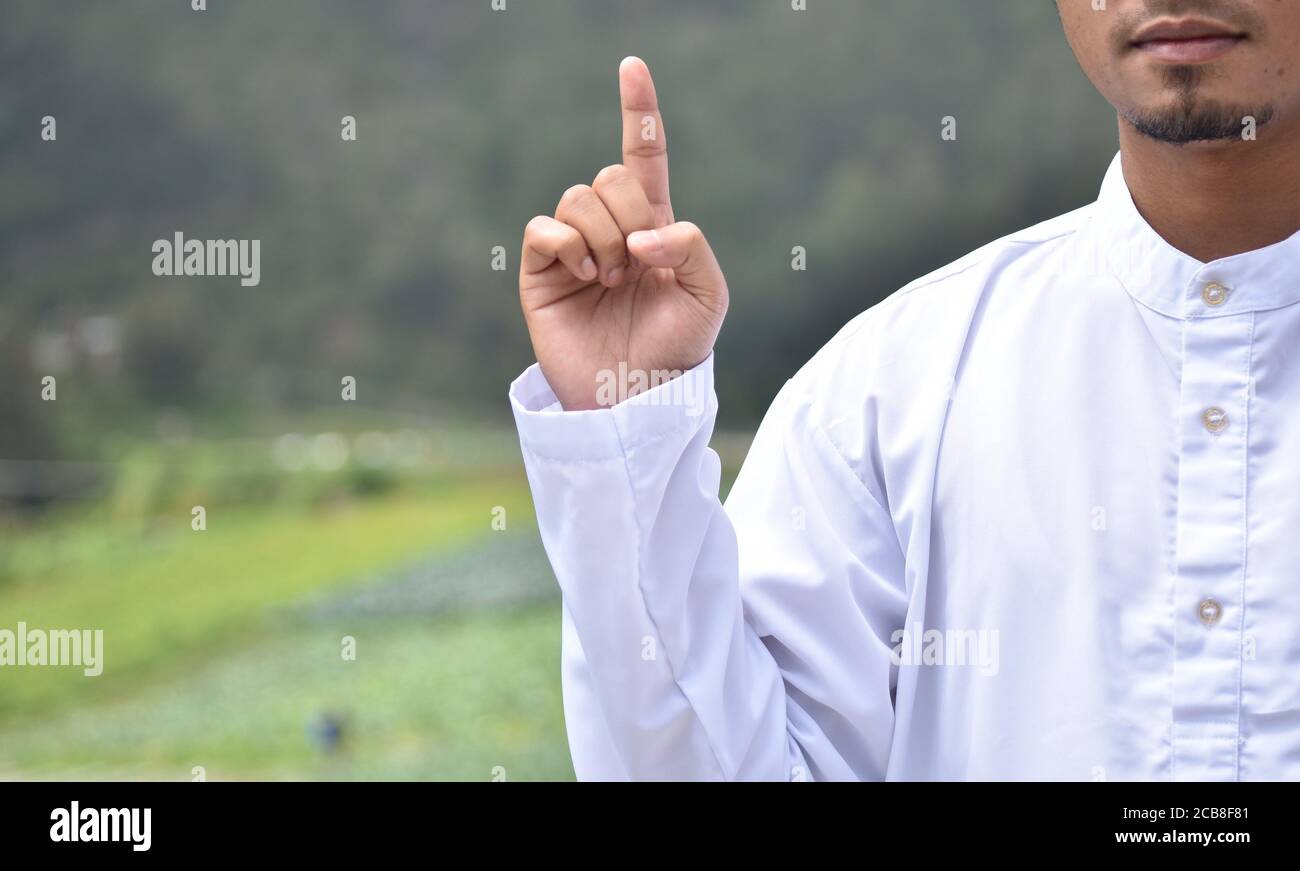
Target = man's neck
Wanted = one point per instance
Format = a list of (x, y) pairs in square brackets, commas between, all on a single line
[(1215, 200)]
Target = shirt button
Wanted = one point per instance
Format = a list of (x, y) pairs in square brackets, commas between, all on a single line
[(1209, 610), (1215, 419), (1214, 294)]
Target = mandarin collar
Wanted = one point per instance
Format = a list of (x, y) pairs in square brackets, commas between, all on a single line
[(1178, 285)]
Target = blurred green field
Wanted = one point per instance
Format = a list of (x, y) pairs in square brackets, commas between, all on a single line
[(223, 648), (455, 699)]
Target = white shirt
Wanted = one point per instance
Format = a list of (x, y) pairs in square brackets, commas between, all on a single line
[(1034, 516)]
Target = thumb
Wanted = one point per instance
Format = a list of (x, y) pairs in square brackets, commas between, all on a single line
[(682, 248)]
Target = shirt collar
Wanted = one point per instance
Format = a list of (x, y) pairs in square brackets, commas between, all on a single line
[(1177, 284)]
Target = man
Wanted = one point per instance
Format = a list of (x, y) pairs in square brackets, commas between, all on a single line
[(1032, 517)]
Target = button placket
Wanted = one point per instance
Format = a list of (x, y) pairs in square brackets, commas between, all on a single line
[(1211, 543)]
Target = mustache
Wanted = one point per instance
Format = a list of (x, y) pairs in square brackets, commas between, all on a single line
[(1234, 13)]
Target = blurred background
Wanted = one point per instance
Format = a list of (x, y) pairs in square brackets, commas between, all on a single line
[(401, 519)]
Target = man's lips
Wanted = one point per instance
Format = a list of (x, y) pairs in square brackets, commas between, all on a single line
[(1187, 41)]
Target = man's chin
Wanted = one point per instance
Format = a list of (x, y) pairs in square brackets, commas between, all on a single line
[(1203, 123)]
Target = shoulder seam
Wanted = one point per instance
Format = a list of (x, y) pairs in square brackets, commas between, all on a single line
[(976, 258)]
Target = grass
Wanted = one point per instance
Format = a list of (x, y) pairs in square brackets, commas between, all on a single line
[(462, 698), (211, 659), (177, 591)]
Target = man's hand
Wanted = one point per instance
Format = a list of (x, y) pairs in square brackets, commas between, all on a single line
[(611, 278)]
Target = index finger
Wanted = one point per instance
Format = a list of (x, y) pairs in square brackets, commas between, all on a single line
[(645, 148)]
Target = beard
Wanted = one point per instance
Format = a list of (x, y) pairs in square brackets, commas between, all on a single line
[(1193, 119)]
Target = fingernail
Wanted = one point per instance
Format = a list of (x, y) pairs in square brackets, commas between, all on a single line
[(587, 269), (615, 276), (647, 239)]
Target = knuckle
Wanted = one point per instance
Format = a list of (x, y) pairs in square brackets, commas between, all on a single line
[(610, 175), (536, 225), (576, 194), (647, 148)]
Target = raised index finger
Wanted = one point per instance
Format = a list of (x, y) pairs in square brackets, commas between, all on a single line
[(645, 148)]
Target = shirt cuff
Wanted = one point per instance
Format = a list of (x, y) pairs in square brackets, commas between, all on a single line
[(681, 404)]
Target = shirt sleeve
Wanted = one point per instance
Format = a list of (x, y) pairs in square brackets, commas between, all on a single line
[(751, 642)]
